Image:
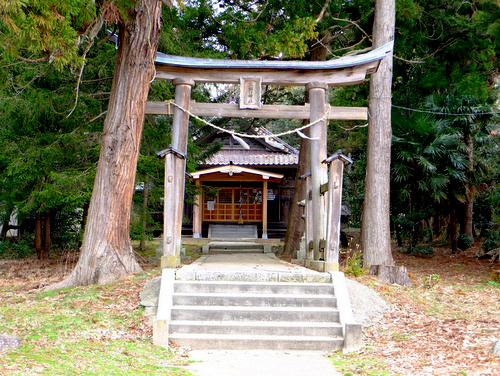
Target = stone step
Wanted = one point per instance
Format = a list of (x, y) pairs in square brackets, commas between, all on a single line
[(253, 342), (255, 300), (243, 287), (221, 250), (236, 245), (221, 313), (258, 328), (232, 231)]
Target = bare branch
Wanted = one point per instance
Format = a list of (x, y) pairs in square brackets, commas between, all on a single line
[(98, 116), (323, 11), (418, 61), (40, 60), (31, 81), (354, 24), (77, 89), (89, 36), (352, 46)]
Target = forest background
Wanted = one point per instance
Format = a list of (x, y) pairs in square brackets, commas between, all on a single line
[(57, 69)]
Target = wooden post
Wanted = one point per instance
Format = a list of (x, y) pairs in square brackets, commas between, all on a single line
[(264, 209), (174, 203), (197, 211), (174, 171), (336, 171), (317, 95), (180, 121), (309, 223)]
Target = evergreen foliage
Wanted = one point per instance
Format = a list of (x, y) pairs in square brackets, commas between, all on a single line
[(446, 62)]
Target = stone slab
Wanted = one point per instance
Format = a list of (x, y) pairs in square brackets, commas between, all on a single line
[(8, 342)]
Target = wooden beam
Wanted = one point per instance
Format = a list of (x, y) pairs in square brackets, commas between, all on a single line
[(266, 111), (338, 77)]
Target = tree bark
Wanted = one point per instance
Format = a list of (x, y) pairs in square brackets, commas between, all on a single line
[(47, 237), (391, 274), (42, 235), (470, 191), (296, 225), (453, 230), (83, 222), (145, 198), (375, 228), (106, 252), (38, 235)]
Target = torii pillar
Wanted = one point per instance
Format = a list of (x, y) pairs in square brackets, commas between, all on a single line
[(336, 171), (175, 176), (317, 154)]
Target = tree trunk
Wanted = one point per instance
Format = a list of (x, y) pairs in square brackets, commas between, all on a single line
[(296, 225), (391, 274), (145, 197), (453, 230), (47, 238), (106, 252), (38, 235), (375, 229), (470, 191), (42, 235), (83, 222)]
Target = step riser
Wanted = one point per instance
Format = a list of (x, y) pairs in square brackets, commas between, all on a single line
[(256, 301), (242, 315), (236, 233), (235, 245), (234, 251), (271, 288), (232, 232), (258, 344), (258, 330)]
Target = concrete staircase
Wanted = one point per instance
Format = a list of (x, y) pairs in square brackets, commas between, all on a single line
[(232, 231), (254, 315)]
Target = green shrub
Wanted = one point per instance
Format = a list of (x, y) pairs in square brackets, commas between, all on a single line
[(492, 241), (16, 249), (464, 241), (418, 251), (354, 264)]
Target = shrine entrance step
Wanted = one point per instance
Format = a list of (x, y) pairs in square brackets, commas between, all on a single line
[(226, 247), (232, 231), (238, 315)]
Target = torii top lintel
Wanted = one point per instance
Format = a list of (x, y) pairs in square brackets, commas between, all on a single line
[(348, 70)]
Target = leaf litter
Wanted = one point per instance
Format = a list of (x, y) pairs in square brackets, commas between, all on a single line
[(446, 329)]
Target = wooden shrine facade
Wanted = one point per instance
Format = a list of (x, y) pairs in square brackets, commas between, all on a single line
[(250, 75), (248, 181), (233, 194)]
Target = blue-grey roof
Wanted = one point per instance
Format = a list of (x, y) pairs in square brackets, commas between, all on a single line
[(343, 62)]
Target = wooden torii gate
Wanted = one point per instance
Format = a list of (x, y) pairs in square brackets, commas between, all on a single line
[(184, 72)]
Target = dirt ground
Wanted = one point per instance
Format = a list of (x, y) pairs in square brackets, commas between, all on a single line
[(446, 324)]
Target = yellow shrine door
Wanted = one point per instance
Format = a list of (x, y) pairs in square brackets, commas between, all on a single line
[(233, 204)]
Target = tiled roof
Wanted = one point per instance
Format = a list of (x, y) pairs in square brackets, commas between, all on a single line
[(252, 158)]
